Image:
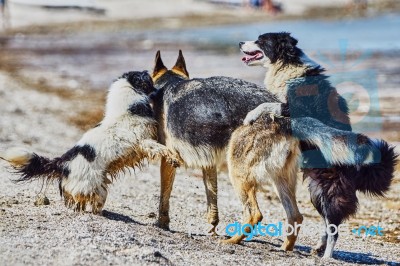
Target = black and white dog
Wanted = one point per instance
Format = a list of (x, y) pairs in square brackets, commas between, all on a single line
[(125, 137), (304, 90)]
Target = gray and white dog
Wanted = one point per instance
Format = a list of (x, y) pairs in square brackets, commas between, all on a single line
[(196, 118)]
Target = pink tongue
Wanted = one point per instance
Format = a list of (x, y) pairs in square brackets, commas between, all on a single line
[(248, 58)]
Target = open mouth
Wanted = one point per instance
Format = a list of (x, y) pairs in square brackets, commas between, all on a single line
[(252, 56)]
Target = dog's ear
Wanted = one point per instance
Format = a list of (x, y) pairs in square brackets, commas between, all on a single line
[(159, 67), (288, 51), (180, 65), (293, 42)]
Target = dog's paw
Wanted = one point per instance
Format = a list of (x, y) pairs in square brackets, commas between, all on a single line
[(252, 116), (174, 159), (213, 232), (163, 222), (287, 245), (80, 202), (327, 258), (318, 250), (231, 241)]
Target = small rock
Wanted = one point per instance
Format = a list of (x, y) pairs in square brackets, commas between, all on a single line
[(157, 254), (42, 200), (230, 251), (13, 202)]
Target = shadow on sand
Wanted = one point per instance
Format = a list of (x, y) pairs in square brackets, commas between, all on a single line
[(353, 257), (345, 256), (119, 217)]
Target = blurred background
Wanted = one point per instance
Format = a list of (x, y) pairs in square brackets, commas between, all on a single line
[(74, 48)]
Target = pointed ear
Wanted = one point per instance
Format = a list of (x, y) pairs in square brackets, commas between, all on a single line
[(159, 67), (180, 65)]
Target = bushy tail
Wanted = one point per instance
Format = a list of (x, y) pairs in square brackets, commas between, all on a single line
[(31, 166), (375, 178), (371, 162)]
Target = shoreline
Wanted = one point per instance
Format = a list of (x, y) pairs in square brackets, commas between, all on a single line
[(188, 17)]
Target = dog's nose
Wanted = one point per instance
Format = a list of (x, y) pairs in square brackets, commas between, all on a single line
[(240, 44)]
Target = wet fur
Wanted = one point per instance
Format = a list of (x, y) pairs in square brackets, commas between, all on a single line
[(125, 137)]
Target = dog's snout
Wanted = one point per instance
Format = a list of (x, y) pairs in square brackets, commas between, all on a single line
[(240, 44)]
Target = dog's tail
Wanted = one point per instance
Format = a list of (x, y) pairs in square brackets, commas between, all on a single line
[(338, 147), (31, 166), (375, 178), (374, 160)]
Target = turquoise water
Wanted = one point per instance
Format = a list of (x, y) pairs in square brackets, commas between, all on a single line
[(373, 33)]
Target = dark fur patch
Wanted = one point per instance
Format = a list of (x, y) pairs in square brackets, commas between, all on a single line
[(140, 81), (333, 194), (207, 111), (141, 109), (280, 46), (39, 166), (376, 178), (87, 151)]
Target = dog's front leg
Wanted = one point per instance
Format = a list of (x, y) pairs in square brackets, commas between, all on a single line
[(211, 185), (167, 172), (155, 150), (263, 108)]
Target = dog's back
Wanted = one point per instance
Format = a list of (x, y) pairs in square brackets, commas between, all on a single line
[(201, 114)]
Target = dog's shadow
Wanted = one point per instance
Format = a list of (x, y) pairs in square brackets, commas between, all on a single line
[(360, 258), (119, 217), (352, 257), (345, 256)]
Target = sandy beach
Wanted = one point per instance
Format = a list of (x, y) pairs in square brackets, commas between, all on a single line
[(55, 67)]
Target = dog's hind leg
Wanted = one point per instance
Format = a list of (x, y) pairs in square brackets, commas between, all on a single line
[(334, 197), (316, 194), (245, 187), (285, 184), (288, 198), (321, 246), (337, 210), (167, 172), (333, 235), (211, 185)]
